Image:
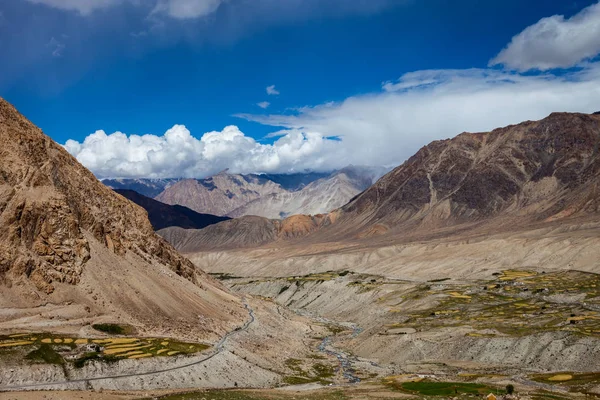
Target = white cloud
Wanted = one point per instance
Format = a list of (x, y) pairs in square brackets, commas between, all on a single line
[(554, 42), (382, 128), (84, 7), (271, 91), (386, 128), (187, 9), (263, 104), (178, 154)]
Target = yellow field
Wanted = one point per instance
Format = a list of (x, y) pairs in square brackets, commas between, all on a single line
[(14, 344), (561, 378)]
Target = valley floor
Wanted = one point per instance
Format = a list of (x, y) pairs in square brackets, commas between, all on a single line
[(334, 330)]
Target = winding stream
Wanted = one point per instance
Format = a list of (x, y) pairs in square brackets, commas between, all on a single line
[(326, 346)]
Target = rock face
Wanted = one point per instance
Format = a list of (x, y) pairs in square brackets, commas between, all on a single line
[(318, 197), (533, 171), (57, 224), (271, 196), (163, 215), (219, 194), (527, 173)]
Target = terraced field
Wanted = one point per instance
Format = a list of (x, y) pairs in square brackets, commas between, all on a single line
[(514, 303), (52, 349)]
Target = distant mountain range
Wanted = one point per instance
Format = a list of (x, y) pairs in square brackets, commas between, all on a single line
[(268, 195), (318, 197)]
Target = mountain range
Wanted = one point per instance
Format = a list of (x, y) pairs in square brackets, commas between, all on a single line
[(266, 195), (532, 172)]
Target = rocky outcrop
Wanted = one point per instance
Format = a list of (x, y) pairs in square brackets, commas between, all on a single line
[(219, 194)]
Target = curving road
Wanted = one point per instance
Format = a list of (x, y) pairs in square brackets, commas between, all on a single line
[(218, 348)]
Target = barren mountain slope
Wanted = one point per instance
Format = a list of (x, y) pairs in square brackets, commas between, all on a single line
[(535, 171), (318, 197), (77, 249), (163, 215), (539, 170), (219, 194)]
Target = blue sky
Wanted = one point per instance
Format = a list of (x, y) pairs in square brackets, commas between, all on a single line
[(75, 67)]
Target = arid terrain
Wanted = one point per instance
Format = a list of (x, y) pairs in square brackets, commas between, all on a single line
[(472, 266)]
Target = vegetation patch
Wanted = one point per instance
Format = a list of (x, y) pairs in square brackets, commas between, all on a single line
[(429, 388), (319, 372), (45, 354), (574, 382), (515, 303), (114, 329), (51, 349), (223, 276)]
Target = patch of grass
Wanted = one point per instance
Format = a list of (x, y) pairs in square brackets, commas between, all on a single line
[(429, 388), (283, 289), (299, 380), (336, 329), (114, 329), (80, 362), (323, 371), (439, 280), (45, 354), (223, 276)]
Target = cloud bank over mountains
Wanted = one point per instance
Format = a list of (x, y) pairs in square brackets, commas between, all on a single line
[(382, 128), (178, 154)]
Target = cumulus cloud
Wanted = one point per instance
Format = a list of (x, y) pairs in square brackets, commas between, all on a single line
[(263, 104), (554, 42), (381, 128), (271, 91), (178, 154)]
